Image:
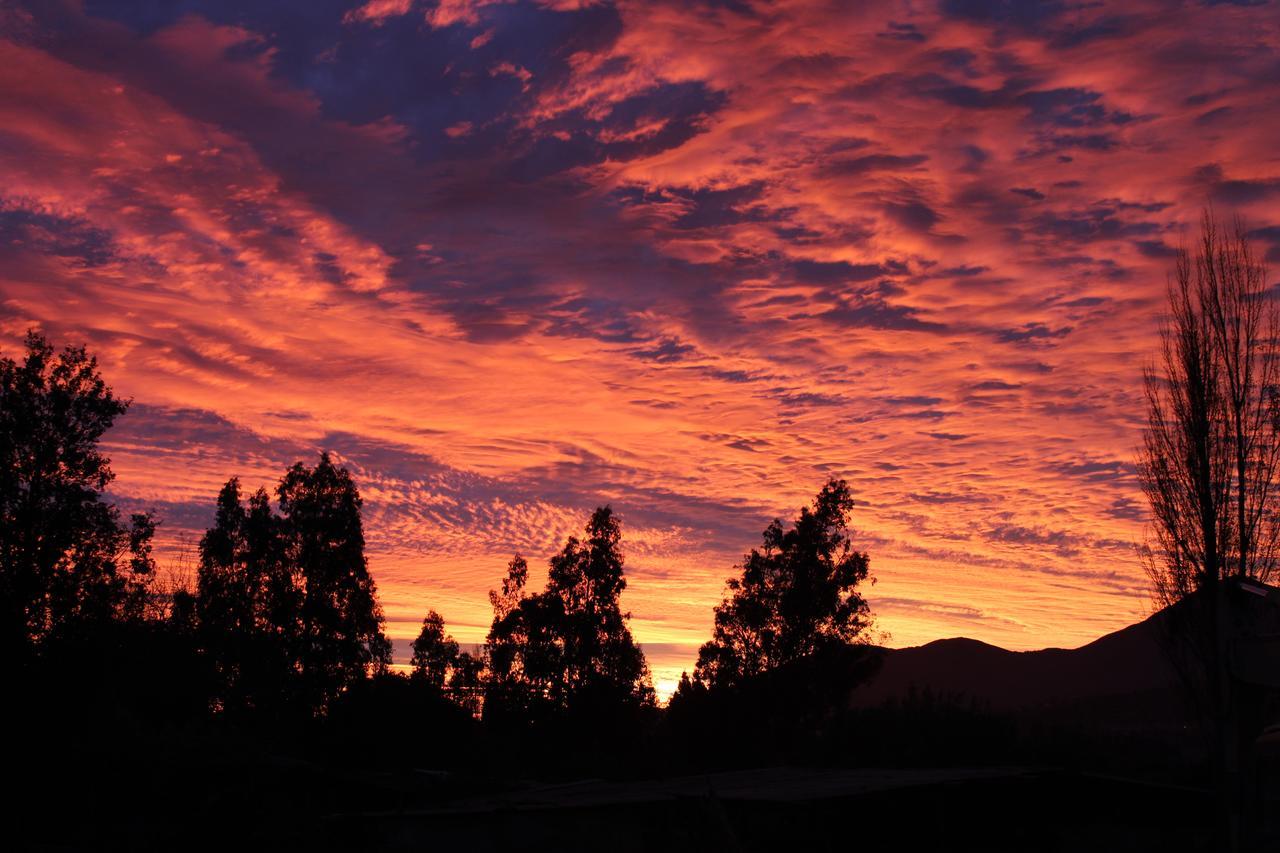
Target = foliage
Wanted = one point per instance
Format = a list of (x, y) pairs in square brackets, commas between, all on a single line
[(285, 605), (247, 606), (67, 560), (787, 714), (392, 720), (794, 596), (568, 646), (435, 653), (324, 539)]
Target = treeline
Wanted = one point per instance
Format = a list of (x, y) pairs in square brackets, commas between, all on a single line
[(281, 636)]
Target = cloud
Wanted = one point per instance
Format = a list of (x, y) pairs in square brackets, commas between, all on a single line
[(1004, 11), (667, 351), (835, 272), (1032, 332), (874, 163), (871, 312), (1236, 191), (33, 229)]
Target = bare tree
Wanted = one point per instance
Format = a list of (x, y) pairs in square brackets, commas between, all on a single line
[(1208, 465), (1184, 464), (177, 578), (1212, 445), (1245, 328)]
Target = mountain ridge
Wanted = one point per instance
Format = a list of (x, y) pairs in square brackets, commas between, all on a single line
[(1125, 662)]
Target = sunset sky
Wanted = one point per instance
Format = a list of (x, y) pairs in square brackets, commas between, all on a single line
[(509, 261)]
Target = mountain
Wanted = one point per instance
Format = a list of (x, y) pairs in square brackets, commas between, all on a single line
[(1125, 670)]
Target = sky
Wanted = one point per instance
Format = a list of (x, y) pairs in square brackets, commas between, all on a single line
[(511, 261)]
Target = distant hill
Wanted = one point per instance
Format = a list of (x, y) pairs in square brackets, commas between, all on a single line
[(1124, 673)]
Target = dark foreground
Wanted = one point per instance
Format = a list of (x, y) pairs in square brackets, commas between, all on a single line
[(790, 808), (283, 804)]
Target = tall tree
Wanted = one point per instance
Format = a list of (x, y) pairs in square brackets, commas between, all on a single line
[(1208, 466), (1245, 328), (794, 595), (569, 643), (524, 658), (247, 604), (67, 559), (586, 581), (435, 653), (341, 620), (439, 663), (1211, 447), (285, 604)]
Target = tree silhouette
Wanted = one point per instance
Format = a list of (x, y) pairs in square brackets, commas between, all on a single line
[(466, 682), (568, 646), (67, 560), (285, 605), (794, 596), (435, 653), (586, 581), (523, 656), (512, 593), (341, 620), (1211, 449), (248, 603), (1209, 466)]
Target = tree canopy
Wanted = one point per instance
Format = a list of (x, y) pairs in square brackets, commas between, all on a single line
[(67, 559), (248, 602), (571, 642), (434, 652), (795, 594), (285, 604), (340, 616)]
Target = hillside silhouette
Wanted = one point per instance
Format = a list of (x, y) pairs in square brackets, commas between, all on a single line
[(1122, 667)]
